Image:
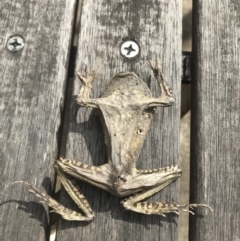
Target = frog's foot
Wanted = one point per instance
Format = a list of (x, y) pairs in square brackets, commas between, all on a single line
[(165, 92), (66, 213), (87, 81), (192, 206)]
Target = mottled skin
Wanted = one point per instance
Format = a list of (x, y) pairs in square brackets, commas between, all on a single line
[(126, 111)]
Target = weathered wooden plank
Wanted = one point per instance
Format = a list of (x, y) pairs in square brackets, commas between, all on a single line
[(215, 120), (31, 100), (156, 26)]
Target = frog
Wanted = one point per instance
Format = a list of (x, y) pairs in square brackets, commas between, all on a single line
[(126, 109)]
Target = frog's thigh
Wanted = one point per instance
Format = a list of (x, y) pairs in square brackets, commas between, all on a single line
[(145, 179), (96, 176)]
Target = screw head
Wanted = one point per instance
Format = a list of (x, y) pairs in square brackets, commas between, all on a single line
[(129, 49), (15, 43)]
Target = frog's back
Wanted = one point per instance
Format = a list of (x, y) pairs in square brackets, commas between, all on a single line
[(125, 122), (127, 83)]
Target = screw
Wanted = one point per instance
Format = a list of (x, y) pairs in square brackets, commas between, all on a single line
[(129, 49), (15, 43)]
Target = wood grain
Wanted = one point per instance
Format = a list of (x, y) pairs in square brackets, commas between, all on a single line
[(215, 120), (156, 26), (31, 100)]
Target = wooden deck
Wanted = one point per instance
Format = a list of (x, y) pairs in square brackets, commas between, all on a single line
[(39, 120), (215, 131)]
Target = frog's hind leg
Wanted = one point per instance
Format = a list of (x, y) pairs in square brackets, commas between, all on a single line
[(97, 176), (134, 202), (66, 213)]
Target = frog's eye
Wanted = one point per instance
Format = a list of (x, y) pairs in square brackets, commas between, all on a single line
[(148, 112)]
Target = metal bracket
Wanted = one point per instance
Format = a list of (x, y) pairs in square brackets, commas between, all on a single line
[(186, 67)]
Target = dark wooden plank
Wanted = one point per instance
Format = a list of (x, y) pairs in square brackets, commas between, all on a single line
[(215, 120), (156, 26), (31, 100)]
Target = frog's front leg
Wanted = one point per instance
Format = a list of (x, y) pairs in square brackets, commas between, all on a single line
[(166, 97), (155, 183), (87, 81)]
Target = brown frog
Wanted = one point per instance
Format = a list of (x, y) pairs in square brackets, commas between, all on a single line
[(126, 112)]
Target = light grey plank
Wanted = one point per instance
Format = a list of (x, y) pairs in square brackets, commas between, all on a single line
[(215, 120), (31, 100), (157, 28)]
